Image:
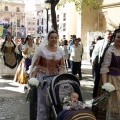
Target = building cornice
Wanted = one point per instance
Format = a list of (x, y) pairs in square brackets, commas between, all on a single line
[(12, 3), (112, 5)]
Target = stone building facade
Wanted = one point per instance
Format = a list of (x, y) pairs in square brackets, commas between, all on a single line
[(99, 20), (13, 14)]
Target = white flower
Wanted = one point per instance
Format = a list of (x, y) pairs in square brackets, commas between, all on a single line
[(33, 82), (108, 87), (66, 99)]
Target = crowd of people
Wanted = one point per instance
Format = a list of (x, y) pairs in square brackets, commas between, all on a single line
[(16, 55), (23, 49), (30, 58), (27, 57)]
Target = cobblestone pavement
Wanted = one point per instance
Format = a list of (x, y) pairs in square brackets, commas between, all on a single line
[(12, 98), (12, 101)]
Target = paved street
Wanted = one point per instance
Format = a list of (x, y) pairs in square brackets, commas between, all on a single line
[(12, 98), (12, 101)]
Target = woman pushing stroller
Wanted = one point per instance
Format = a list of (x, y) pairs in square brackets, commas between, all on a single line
[(47, 60)]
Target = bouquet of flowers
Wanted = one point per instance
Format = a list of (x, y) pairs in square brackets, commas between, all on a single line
[(108, 87), (100, 103), (31, 88), (66, 99), (30, 54)]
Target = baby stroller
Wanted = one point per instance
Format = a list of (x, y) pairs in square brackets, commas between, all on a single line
[(61, 86)]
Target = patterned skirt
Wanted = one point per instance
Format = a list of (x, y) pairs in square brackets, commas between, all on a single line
[(113, 109)]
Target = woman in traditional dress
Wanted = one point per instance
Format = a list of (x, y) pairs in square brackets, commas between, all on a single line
[(64, 48), (110, 71), (47, 60), (28, 50), (9, 61), (18, 50)]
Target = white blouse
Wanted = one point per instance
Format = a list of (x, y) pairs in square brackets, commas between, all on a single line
[(107, 58), (31, 50)]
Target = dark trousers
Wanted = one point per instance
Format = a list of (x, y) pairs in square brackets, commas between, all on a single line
[(33, 105), (19, 58), (68, 60), (76, 68), (66, 64), (96, 80)]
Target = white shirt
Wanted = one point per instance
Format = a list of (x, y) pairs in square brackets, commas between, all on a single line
[(99, 49), (64, 48), (75, 53)]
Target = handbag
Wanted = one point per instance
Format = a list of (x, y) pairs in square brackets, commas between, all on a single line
[(99, 106)]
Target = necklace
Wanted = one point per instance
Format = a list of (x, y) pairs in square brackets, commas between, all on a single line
[(53, 55), (51, 48)]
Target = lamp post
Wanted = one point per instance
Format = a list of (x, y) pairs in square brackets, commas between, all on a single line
[(47, 7)]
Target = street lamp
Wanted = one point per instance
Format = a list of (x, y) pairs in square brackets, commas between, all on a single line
[(47, 7)]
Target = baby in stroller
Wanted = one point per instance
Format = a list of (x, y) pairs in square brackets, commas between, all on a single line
[(72, 103), (73, 109), (66, 99)]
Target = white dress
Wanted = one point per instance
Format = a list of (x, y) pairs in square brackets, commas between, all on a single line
[(5, 70), (111, 66)]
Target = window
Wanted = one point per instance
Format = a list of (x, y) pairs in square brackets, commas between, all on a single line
[(17, 9), (42, 21), (58, 26), (57, 18), (64, 17), (38, 29), (6, 8), (64, 26), (18, 23), (37, 21), (64, 36), (49, 17)]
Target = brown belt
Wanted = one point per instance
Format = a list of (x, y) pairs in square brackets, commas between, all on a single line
[(42, 71)]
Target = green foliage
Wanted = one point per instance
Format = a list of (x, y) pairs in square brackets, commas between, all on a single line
[(5, 1), (96, 4)]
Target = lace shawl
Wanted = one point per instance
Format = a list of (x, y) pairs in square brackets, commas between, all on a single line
[(44, 52)]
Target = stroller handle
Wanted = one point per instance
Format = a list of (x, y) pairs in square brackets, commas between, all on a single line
[(45, 82), (51, 75)]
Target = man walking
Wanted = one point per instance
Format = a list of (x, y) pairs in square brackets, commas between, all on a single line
[(98, 53)]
